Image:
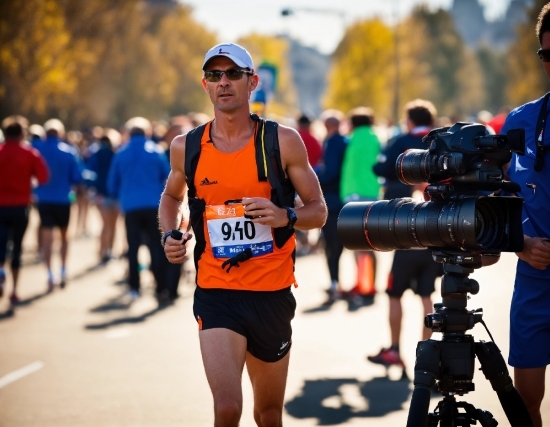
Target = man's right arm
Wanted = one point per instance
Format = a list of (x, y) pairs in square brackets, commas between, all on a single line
[(536, 252), (171, 201)]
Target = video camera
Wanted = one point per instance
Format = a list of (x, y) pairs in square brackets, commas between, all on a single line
[(463, 168)]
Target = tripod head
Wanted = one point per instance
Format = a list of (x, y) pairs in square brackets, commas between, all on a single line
[(451, 315)]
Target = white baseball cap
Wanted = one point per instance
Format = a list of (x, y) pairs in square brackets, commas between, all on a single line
[(238, 54)]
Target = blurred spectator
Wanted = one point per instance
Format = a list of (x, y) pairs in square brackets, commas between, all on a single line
[(19, 163), (99, 164), (360, 183), (54, 198), (82, 143), (498, 121), (173, 131), (314, 152), (36, 134), (136, 178), (329, 172), (198, 119), (411, 269), (313, 147)]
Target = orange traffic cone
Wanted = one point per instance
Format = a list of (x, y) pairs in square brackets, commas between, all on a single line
[(365, 275)]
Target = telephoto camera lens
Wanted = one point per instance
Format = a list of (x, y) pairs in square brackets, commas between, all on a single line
[(472, 224)]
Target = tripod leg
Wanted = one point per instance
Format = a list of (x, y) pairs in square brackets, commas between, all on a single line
[(495, 370), (426, 370)]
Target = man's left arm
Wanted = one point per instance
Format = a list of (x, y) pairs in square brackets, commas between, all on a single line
[(294, 158)]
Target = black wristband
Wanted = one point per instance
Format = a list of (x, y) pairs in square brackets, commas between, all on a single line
[(164, 237), (291, 217)]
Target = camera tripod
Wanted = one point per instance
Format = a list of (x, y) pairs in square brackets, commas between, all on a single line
[(451, 361)]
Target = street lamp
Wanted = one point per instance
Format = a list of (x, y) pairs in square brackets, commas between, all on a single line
[(291, 11)]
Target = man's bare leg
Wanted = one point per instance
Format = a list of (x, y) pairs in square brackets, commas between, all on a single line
[(395, 316), (530, 385), (64, 250), (46, 237), (223, 356), (268, 384)]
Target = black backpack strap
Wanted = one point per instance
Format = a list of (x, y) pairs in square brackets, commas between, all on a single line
[(192, 152), (269, 164), (196, 206)]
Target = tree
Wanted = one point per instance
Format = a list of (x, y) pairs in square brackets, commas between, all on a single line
[(100, 61), (362, 73), (526, 81), (493, 65), (455, 77), (38, 68)]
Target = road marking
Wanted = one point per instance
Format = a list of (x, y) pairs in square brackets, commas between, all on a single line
[(20, 373)]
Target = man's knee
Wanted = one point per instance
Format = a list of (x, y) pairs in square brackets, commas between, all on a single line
[(270, 417), (227, 412), (532, 396), (530, 385)]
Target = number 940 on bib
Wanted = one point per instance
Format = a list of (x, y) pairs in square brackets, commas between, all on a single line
[(230, 232)]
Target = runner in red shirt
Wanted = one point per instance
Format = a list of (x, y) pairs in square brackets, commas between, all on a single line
[(313, 147), (19, 163)]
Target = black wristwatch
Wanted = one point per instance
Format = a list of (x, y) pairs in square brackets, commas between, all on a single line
[(291, 217), (176, 234), (164, 237)]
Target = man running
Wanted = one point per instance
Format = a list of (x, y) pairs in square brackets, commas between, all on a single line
[(245, 245)]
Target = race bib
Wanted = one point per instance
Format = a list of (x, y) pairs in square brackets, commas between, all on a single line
[(230, 232)]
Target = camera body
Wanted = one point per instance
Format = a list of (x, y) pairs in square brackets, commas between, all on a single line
[(463, 167)]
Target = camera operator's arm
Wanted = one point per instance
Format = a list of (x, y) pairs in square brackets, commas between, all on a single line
[(536, 252)]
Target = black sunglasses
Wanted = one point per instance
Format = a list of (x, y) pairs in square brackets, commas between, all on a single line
[(232, 74), (544, 55)]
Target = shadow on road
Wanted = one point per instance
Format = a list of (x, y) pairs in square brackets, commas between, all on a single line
[(28, 301), (8, 314), (335, 401), (354, 304), (118, 303), (91, 269)]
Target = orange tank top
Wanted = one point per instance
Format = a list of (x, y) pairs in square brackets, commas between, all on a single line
[(231, 176)]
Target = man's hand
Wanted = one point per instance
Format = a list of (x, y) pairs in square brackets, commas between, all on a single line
[(175, 250), (536, 252), (263, 211)]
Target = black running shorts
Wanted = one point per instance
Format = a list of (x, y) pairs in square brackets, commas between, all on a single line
[(413, 269), (54, 215), (263, 318)]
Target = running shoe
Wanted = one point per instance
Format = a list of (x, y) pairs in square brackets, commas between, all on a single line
[(387, 357), (14, 299), (333, 296)]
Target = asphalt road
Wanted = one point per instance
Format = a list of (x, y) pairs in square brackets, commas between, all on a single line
[(87, 356)]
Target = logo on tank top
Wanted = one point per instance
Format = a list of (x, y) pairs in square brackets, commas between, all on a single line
[(206, 181)]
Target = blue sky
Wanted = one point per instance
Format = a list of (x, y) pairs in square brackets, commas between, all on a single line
[(317, 23)]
